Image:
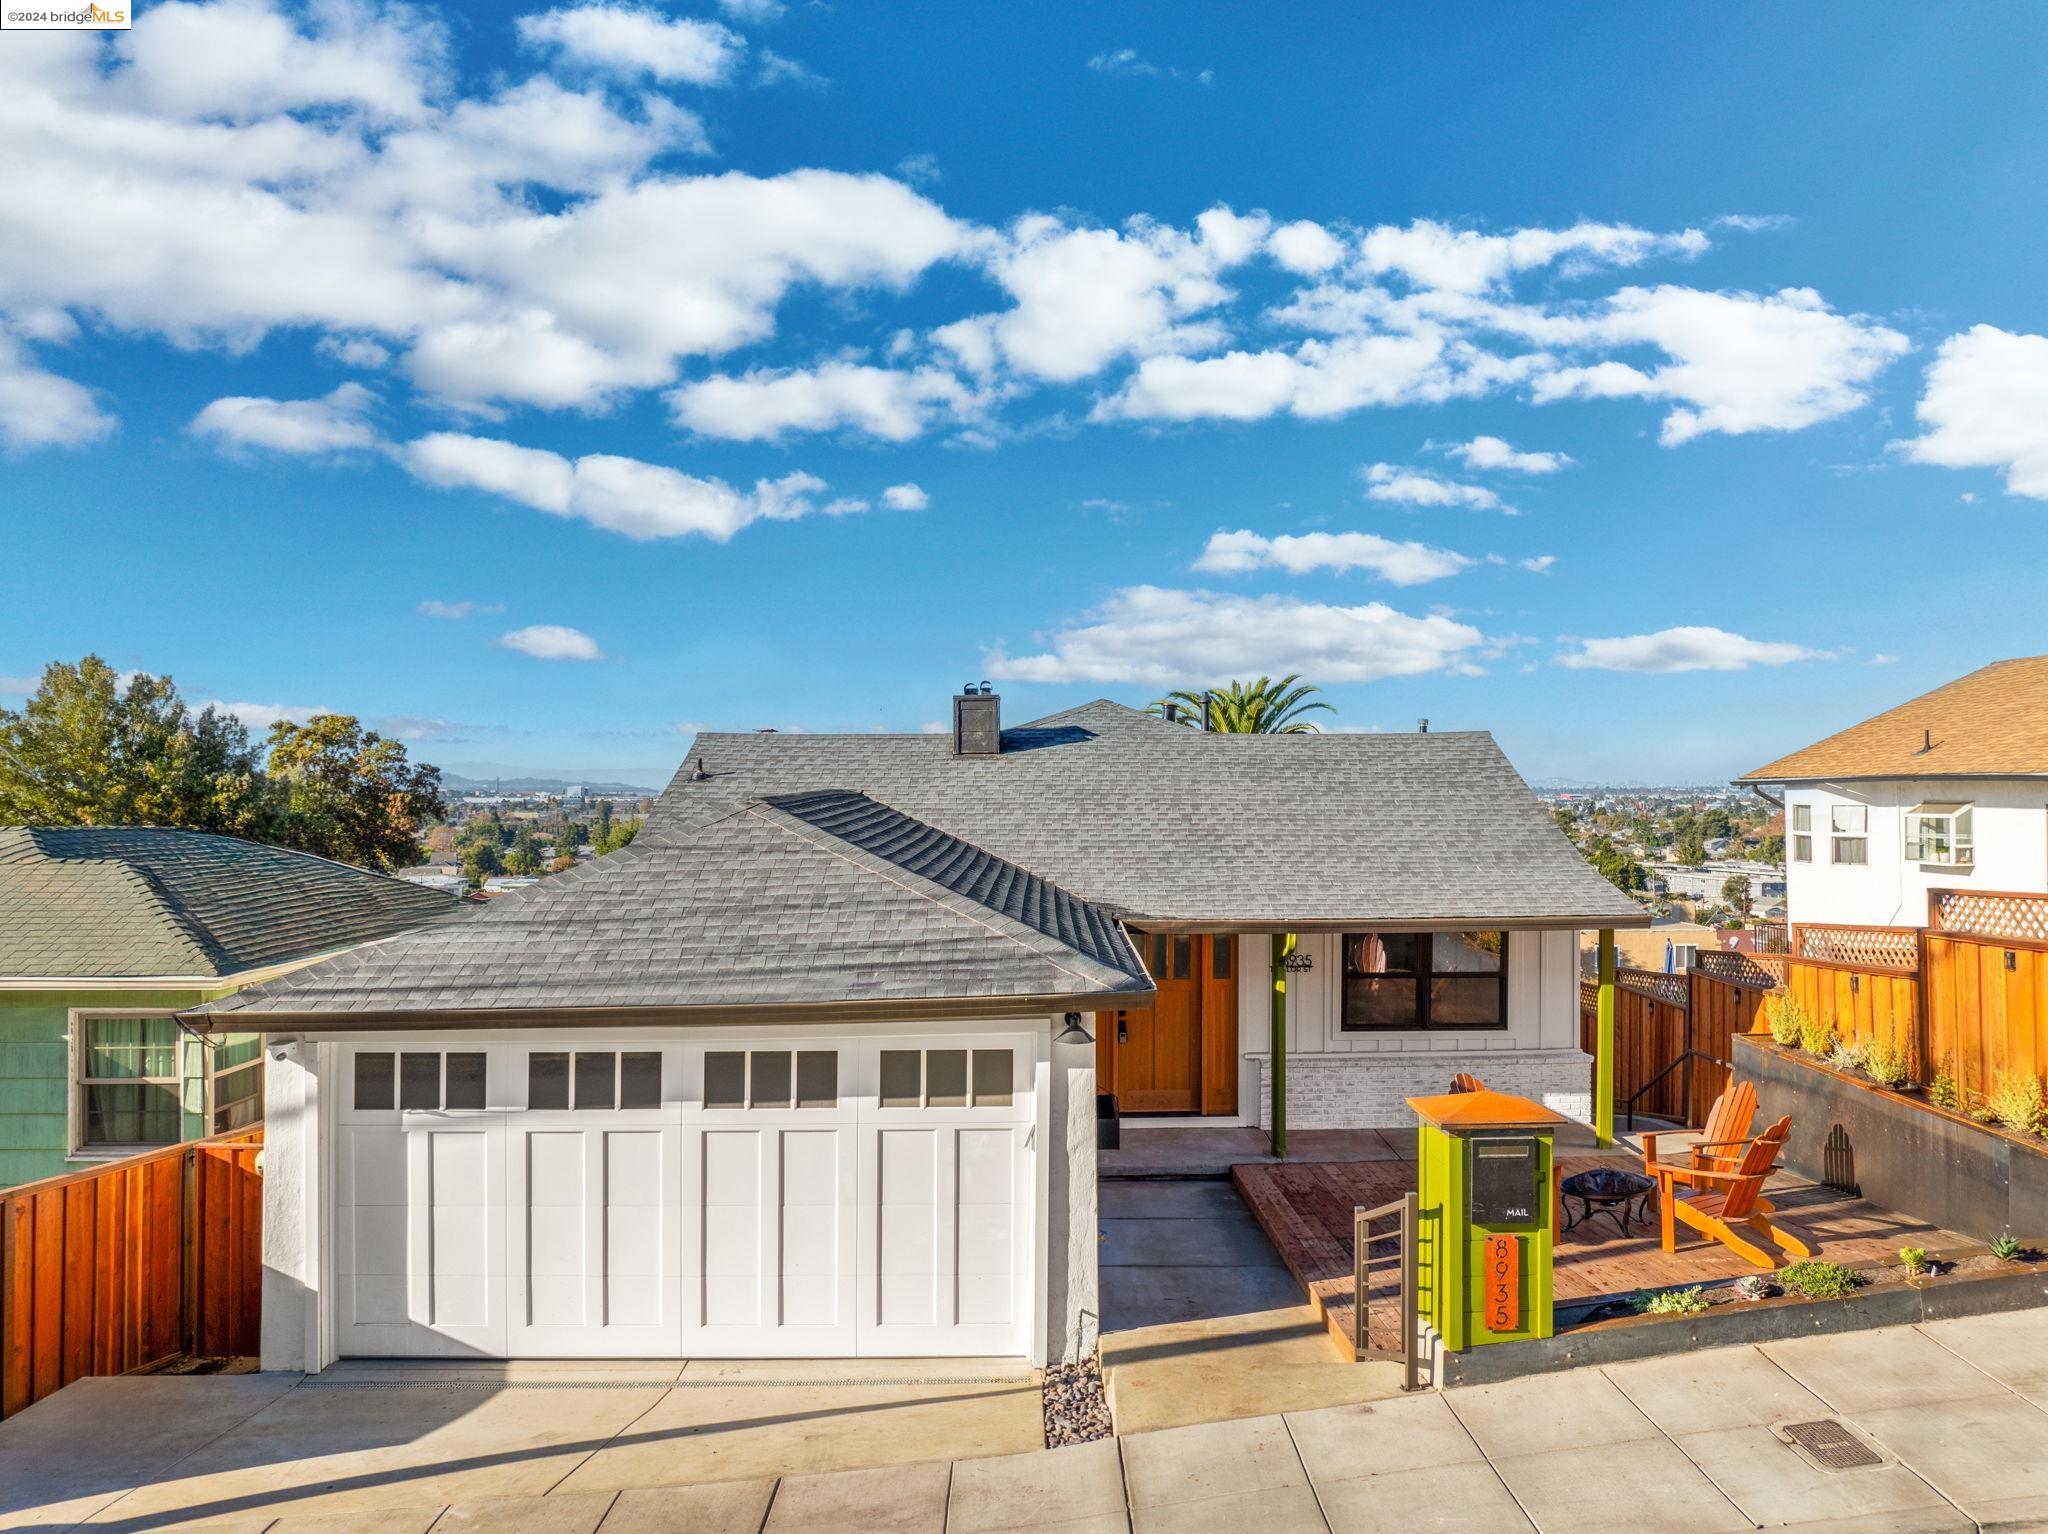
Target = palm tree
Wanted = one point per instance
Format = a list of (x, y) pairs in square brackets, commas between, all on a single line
[(1266, 707)]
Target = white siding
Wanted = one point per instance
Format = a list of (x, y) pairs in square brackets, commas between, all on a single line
[(1361, 1080), (2011, 829)]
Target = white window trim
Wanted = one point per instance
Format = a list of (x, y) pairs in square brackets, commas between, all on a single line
[(75, 1148), (1961, 854)]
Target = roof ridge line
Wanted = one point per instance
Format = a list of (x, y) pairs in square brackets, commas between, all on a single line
[(993, 921)]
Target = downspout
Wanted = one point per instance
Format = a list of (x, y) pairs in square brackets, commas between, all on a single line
[(1603, 1045), (1283, 945)]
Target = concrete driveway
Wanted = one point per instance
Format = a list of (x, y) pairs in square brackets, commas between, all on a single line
[(152, 1452), (1954, 1415)]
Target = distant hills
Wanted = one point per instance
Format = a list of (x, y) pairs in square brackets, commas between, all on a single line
[(456, 783)]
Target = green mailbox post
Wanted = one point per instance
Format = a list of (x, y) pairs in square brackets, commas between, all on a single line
[(1487, 1210)]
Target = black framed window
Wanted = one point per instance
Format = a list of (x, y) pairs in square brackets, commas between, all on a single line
[(1425, 980)]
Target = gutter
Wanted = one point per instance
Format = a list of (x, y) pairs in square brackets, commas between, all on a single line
[(1475, 922), (339, 1020)]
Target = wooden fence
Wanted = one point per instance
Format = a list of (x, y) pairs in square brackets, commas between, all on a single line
[(1970, 992), (131, 1263)]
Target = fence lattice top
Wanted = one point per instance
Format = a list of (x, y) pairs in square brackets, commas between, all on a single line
[(1658, 986), (1762, 971), (2023, 917), (1892, 948)]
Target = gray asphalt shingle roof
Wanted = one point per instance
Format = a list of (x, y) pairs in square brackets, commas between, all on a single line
[(1150, 820), (817, 899), (136, 901)]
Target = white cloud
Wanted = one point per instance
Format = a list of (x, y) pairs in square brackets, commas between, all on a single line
[(1985, 405), (753, 13), (334, 423), (1881, 659), (1739, 362), (1087, 297), (1316, 380), (906, 497), (1436, 256), (921, 169), (778, 69), (1684, 649), (1538, 564), (1164, 638), (630, 42), (259, 717), (1493, 453), (21, 686), (1128, 61), (40, 409), (1305, 247), (457, 610), (622, 495), (761, 406), (354, 351), (1403, 564), (552, 641), (1420, 487)]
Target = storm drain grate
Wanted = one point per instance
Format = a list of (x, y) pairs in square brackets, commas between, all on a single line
[(1830, 1445)]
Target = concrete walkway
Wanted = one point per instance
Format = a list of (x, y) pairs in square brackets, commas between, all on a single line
[(1954, 1412)]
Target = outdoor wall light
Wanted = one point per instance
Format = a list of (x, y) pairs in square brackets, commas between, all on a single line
[(1074, 1033)]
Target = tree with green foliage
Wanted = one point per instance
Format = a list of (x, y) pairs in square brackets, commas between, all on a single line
[(1771, 849), (1735, 891), (480, 859), (91, 748), (349, 793), (1689, 849), (601, 823), (619, 835), (1616, 866), (1264, 707)]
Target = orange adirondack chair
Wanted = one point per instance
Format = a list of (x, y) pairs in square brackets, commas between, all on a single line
[(1465, 1081), (1715, 1203), (1722, 1141)]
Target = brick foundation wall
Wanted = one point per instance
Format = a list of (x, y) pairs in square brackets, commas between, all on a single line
[(1371, 1091)]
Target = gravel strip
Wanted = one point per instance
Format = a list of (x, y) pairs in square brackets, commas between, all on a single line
[(1076, 1410)]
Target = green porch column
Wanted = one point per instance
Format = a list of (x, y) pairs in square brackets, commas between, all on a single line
[(1603, 1045), (1283, 945)]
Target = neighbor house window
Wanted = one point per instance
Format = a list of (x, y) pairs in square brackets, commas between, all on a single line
[(1848, 827), (130, 1091), (1425, 980), (1802, 833), (129, 1084), (1940, 833)]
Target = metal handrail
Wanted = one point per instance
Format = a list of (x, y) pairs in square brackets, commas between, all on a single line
[(1685, 1058), (1406, 1209)]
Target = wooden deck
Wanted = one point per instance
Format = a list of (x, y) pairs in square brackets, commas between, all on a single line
[(1306, 1209)]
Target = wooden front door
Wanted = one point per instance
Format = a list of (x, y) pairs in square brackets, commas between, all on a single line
[(1159, 1052)]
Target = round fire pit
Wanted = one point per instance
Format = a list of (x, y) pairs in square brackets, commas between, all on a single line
[(1620, 1195)]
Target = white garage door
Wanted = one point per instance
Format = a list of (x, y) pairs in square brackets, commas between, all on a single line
[(746, 1197)]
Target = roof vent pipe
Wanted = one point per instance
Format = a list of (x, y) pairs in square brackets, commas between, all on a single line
[(697, 772), (1422, 727), (1173, 713), (977, 722), (1208, 713)]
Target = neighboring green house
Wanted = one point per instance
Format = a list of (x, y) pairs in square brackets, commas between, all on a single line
[(107, 931)]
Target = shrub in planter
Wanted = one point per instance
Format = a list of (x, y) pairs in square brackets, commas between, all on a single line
[(2017, 1102), (1820, 1280), (2006, 1248), (1943, 1091), (1754, 1286), (1914, 1258), (1845, 1055), (1673, 1302), (1886, 1062), (1816, 1034), (1786, 1019)]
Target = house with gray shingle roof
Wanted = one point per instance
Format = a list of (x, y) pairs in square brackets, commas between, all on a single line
[(106, 932), (826, 1038)]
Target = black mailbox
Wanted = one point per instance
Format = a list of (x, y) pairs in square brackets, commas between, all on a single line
[(1505, 1172)]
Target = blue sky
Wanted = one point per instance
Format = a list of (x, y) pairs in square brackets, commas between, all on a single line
[(1658, 390)]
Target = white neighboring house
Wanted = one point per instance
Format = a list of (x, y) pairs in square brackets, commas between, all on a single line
[(806, 1070), (1948, 791)]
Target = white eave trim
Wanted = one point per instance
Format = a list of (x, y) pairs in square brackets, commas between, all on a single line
[(234, 980)]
